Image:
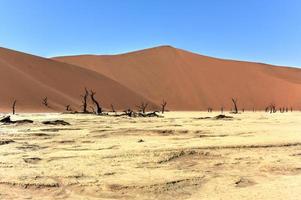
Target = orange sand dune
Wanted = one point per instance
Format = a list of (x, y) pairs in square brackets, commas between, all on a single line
[(29, 78), (190, 81)]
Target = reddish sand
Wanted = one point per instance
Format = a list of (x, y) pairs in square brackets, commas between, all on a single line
[(190, 81), (29, 78)]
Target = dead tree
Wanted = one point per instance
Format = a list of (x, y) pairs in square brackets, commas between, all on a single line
[(222, 109), (113, 109), (45, 102), (163, 105), (129, 112), (273, 108), (84, 101), (68, 108), (98, 108), (14, 107), (234, 101), (142, 107)]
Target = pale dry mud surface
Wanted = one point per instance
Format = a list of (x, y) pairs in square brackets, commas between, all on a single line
[(181, 156)]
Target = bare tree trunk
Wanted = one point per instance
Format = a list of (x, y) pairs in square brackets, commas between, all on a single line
[(45, 102), (273, 108), (129, 112), (113, 109), (234, 101), (84, 101), (14, 107), (98, 108), (142, 107), (163, 105), (68, 108)]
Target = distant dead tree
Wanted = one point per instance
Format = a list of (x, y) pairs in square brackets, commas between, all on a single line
[(210, 109), (113, 109), (222, 109), (14, 107), (243, 110), (84, 101), (68, 108), (234, 101), (129, 112), (98, 107), (282, 110), (291, 109), (273, 108), (142, 107), (163, 105), (45, 101)]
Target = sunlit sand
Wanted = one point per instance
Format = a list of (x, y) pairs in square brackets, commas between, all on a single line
[(181, 156)]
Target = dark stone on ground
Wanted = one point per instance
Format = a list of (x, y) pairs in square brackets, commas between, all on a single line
[(56, 122), (7, 120)]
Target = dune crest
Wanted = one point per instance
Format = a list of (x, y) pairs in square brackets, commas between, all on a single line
[(189, 81), (28, 79)]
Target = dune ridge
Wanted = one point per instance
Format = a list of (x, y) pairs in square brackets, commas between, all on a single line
[(29, 78), (190, 81)]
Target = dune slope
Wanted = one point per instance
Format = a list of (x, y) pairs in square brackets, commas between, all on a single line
[(29, 78), (190, 81)]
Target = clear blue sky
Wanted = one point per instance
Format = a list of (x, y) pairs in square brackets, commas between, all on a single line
[(258, 30)]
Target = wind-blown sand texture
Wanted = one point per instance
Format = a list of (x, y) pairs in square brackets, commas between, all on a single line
[(180, 156)]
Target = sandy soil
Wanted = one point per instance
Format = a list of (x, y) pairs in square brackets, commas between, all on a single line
[(253, 156)]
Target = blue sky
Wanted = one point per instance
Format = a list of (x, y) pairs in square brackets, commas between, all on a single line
[(257, 30)]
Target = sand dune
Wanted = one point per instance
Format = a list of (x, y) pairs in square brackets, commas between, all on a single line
[(190, 81), (186, 80), (29, 78)]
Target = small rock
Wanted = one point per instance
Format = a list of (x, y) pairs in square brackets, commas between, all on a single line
[(32, 160), (243, 182), (7, 120), (223, 117), (56, 122), (2, 142)]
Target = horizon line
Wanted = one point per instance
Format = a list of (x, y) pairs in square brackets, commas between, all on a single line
[(154, 47)]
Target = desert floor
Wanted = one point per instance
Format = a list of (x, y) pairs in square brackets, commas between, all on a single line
[(254, 156)]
